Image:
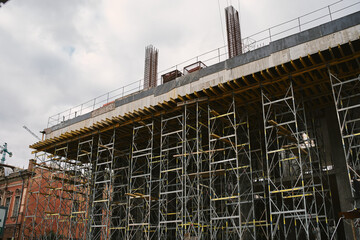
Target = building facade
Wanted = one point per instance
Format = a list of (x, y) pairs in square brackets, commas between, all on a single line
[(13, 192)]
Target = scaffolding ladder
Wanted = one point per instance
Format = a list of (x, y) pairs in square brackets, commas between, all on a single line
[(81, 189), (286, 165), (119, 205), (346, 95), (140, 199), (102, 187), (171, 176), (347, 102), (195, 209), (231, 183)]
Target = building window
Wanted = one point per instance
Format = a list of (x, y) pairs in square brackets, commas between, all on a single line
[(16, 206), (7, 203)]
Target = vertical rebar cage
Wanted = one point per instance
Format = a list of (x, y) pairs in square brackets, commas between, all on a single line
[(233, 31), (151, 67)]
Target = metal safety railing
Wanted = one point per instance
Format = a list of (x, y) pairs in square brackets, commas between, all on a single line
[(331, 12)]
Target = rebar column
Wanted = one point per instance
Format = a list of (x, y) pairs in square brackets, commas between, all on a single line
[(233, 32), (151, 67)]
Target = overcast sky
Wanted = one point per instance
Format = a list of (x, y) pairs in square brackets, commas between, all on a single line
[(58, 54)]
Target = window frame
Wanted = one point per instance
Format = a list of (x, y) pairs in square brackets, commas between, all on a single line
[(6, 202), (16, 209)]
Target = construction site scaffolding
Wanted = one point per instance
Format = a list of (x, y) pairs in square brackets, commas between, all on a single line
[(207, 170)]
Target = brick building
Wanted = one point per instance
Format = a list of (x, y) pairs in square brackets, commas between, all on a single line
[(13, 192), (17, 190)]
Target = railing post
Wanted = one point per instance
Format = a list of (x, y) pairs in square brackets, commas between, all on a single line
[(219, 54), (270, 34), (94, 104), (81, 108), (299, 24), (107, 100), (122, 91), (330, 13)]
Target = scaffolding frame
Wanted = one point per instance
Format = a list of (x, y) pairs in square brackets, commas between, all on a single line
[(346, 94), (258, 166), (120, 187), (171, 196), (80, 205), (321, 167), (297, 196), (140, 196), (347, 103), (59, 207), (101, 192), (195, 173), (231, 177)]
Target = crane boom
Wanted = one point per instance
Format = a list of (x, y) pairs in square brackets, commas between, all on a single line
[(36, 136)]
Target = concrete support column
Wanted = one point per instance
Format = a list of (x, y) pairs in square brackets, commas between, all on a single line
[(334, 151)]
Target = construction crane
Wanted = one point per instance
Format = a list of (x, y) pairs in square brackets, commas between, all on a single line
[(36, 136), (4, 151)]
